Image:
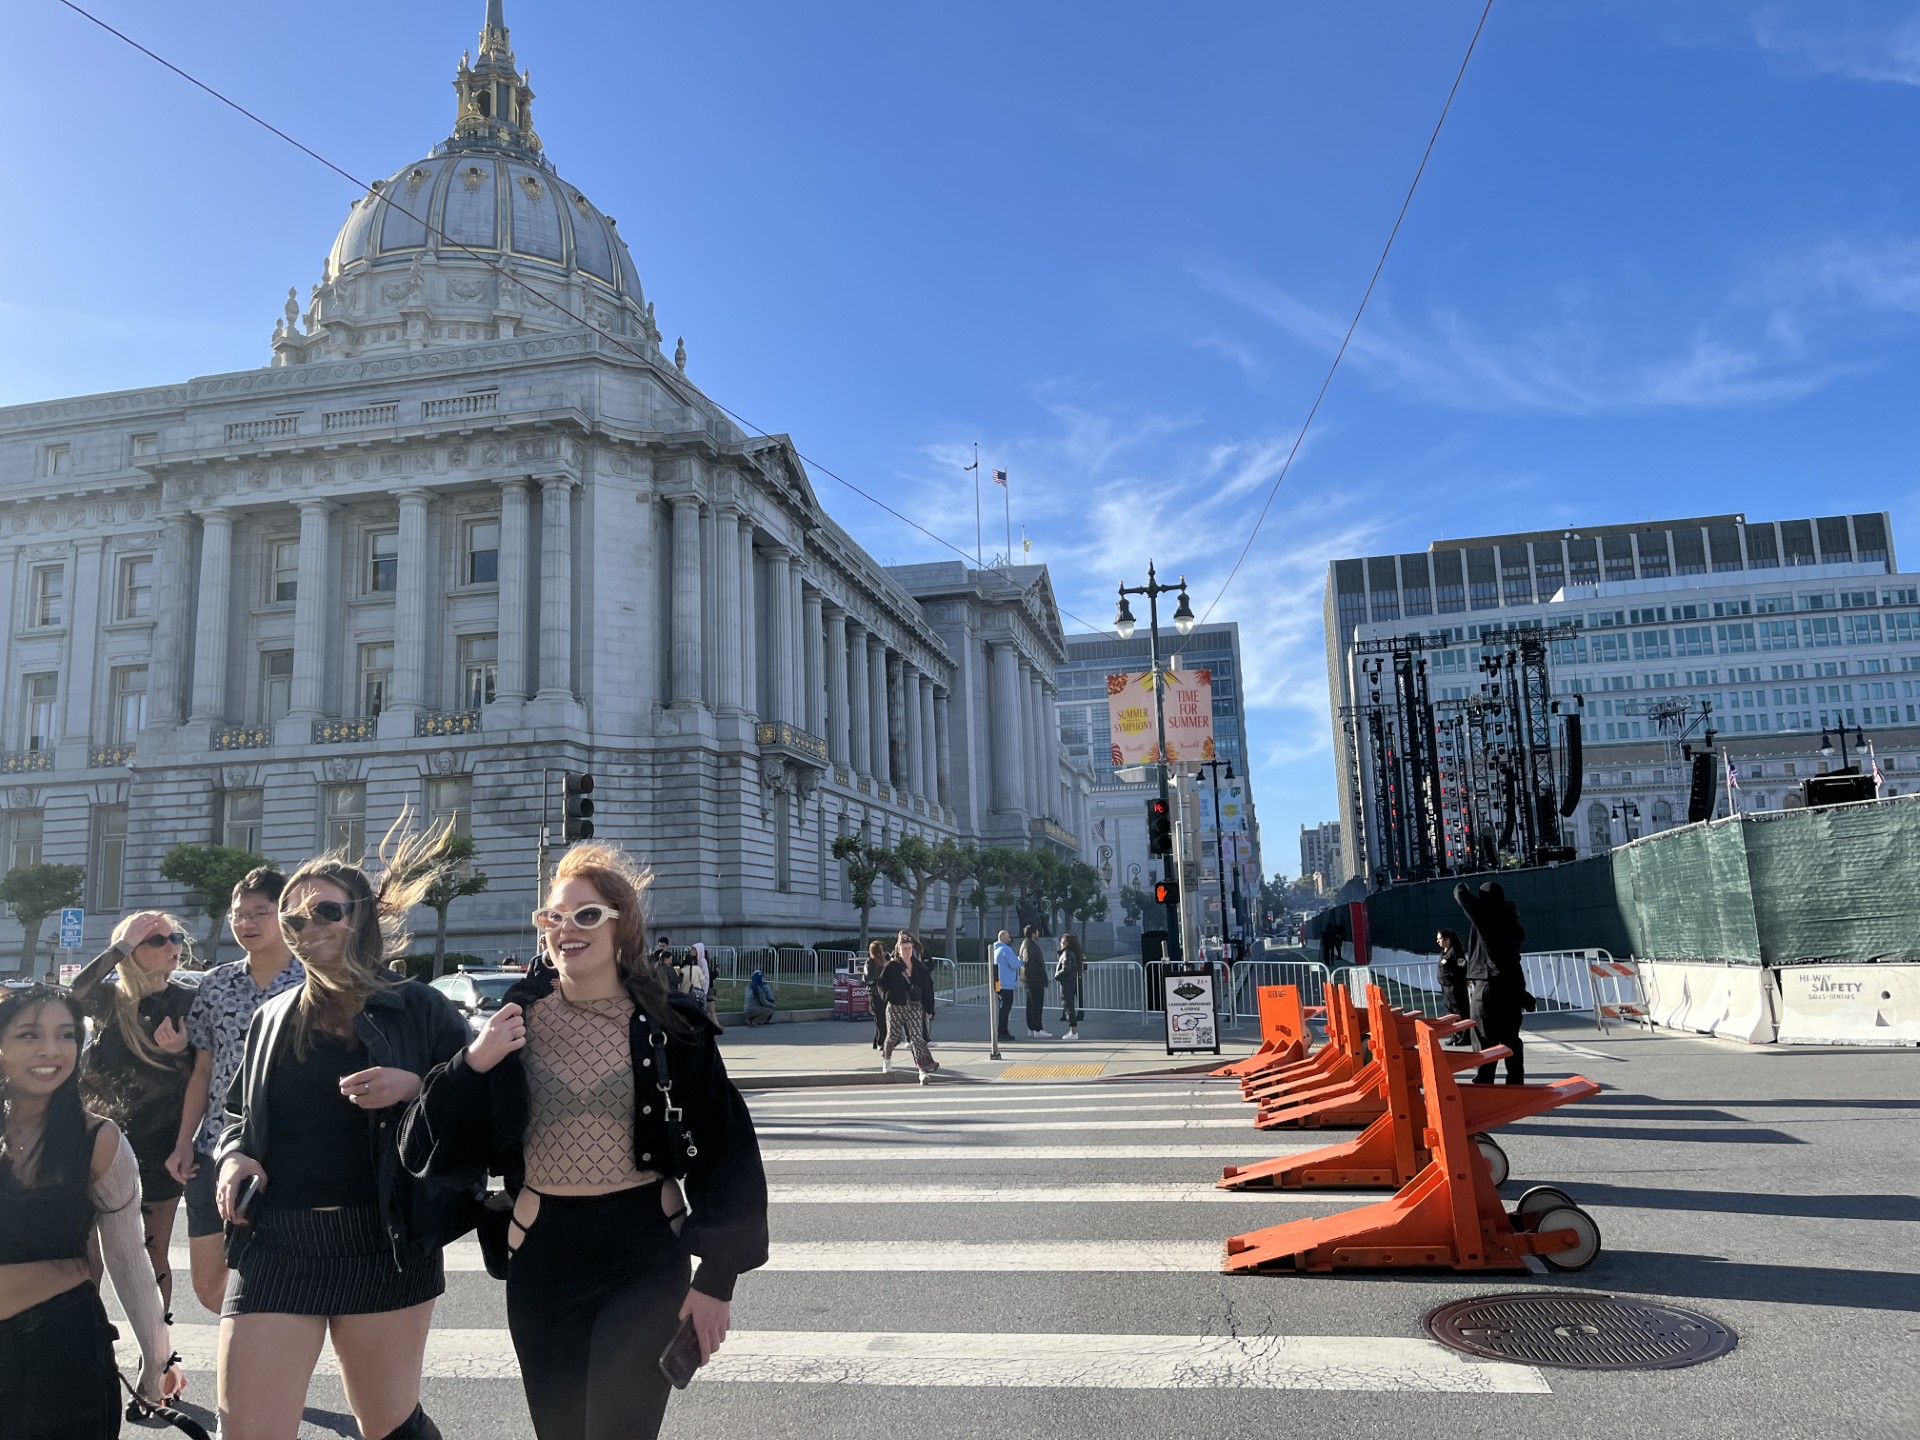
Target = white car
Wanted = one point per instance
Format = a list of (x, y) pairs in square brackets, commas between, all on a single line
[(478, 993)]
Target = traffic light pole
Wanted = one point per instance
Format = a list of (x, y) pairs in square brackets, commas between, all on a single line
[(1153, 590)]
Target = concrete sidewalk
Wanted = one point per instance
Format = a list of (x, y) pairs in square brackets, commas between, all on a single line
[(840, 1052)]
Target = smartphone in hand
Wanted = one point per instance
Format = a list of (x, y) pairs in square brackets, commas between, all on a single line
[(682, 1355), (249, 1193)]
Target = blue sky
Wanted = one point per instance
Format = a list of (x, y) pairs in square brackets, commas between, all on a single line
[(1666, 259)]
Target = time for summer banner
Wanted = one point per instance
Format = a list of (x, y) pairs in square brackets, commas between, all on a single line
[(1188, 697)]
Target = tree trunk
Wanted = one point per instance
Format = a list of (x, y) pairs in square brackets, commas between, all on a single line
[(866, 919), (213, 942), (440, 942), (31, 951), (918, 909), (953, 923)]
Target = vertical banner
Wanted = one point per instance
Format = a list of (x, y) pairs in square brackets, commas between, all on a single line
[(1357, 930), (1188, 700)]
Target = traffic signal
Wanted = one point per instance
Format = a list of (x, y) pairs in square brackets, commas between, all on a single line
[(1159, 827), (576, 822), (1166, 892)]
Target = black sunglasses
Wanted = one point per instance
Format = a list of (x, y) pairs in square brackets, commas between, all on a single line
[(327, 912), (172, 937)]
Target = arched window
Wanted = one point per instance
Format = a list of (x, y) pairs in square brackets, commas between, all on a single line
[(1599, 828), (1663, 814)]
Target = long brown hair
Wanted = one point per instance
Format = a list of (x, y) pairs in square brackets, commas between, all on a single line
[(409, 866), (622, 883)]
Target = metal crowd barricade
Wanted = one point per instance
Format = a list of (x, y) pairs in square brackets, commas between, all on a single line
[(1310, 977), (1560, 981), (723, 962)]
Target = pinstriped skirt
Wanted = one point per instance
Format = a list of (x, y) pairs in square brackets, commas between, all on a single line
[(327, 1262)]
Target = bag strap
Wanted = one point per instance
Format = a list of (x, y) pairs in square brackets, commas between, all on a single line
[(663, 1082)]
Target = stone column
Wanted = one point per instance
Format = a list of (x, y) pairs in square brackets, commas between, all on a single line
[(410, 609), (796, 647), (687, 673), (859, 703), (1050, 747), (556, 588), (749, 623), (310, 612), (780, 634), (943, 747), (813, 608), (929, 745), (165, 673), (877, 708), (915, 779), (897, 723), (210, 623), (1009, 776), (836, 657), (726, 591), (510, 682), (1042, 783)]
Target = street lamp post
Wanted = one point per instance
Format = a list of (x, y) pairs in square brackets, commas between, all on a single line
[(1219, 843), (1124, 623), (1826, 743)]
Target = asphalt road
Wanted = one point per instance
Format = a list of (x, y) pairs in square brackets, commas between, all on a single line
[(1059, 1282)]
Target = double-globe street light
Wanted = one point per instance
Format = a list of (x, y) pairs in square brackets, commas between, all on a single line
[(1124, 624)]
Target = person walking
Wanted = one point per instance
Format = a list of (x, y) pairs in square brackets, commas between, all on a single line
[(1006, 969), (597, 1095), (331, 1238), (1455, 993), (223, 1007), (1496, 982), (66, 1176), (1069, 970), (907, 982), (1331, 937), (1033, 973), (138, 1069), (876, 997)]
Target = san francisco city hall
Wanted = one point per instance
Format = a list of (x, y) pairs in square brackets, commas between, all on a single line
[(469, 526)]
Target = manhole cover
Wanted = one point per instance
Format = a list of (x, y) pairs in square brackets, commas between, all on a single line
[(1579, 1332)]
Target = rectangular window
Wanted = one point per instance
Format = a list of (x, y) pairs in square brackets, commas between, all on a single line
[(106, 875), (782, 842), (1778, 635), (483, 552), (136, 588), (1736, 639), (383, 562), (450, 802), (143, 447), (376, 678), (47, 595), (283, 581), (343, 820), (56, 460), (24, 829), (241, 812), (1822, 630), (276, 685), (1862, 629), (39, 702), (129, 685), (479, 668)]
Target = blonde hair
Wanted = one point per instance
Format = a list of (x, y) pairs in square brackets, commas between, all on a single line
[(621, 882), (410, 862), (132, 986)]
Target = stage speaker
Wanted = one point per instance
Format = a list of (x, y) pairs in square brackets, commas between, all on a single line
[(1575, 774), (1706, 769), (1839, 790)]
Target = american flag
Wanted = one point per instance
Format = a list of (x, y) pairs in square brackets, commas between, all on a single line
[(1733, 774), (1000, 477)]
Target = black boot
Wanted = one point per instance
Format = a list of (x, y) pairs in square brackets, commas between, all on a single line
[(417, 1426)]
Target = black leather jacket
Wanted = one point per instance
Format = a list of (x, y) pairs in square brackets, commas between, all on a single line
[(465, 1121), (405, 1025)]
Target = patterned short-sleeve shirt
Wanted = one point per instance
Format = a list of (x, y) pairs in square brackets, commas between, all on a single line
[(218, 1024)]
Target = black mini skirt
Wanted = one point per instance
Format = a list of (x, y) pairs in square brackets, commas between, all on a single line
[(327, 1262)]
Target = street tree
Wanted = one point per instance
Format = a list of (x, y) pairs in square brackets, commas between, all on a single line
[(953, 865), (32, 893), (916, 859), (1141, 909), (451, 862), (210, 872), (1083, 896), (867, 864)]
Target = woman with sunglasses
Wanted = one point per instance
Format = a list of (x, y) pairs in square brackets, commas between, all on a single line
[(137, 1070), (597, 1094), (328, 1236), (64, 1175)]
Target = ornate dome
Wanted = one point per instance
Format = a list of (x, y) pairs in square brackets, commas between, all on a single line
[(480, 240)]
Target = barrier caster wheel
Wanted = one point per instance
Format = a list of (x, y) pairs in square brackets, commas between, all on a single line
[(1536, 1202), (1586, 1247), (1495, 1157)]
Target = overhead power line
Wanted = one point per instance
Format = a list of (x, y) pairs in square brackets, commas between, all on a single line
[(1354, 324)]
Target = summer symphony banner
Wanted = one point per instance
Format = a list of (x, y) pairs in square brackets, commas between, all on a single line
[(1189, 707)]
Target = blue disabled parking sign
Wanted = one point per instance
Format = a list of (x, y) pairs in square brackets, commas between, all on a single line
[(72, 922)]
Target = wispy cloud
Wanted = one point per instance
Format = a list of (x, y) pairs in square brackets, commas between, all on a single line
[(1879, 52), (1567, 368)]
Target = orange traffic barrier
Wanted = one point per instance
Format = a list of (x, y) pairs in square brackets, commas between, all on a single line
[(1361, 1098), (1339, 1059), (1448, 1217), (1283, 1033)]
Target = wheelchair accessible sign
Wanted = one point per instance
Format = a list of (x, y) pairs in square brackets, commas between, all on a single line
[(72, 922), (1191, 1025)]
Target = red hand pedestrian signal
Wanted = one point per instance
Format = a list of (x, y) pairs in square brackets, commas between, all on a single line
[(1166, 892)]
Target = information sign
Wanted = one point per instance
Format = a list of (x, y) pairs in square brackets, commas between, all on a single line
[(1191, 1025)]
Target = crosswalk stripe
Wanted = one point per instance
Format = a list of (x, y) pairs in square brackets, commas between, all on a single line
[(911, 1111), (989, 1361), (1111, 1194), (1249, 1153), (812, 1101), (1006, 1257), (987, 1125)]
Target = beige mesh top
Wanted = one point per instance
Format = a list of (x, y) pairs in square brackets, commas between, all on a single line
[(580, 1090)]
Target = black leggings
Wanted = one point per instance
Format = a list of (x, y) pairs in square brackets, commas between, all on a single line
[(56, 1370), (593, 1297), (1496, 1017)]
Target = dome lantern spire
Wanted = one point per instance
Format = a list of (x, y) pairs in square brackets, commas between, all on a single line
[(495, 100)]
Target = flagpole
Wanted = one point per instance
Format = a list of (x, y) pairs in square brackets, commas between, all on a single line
[(975, 467), (1008, 496)]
